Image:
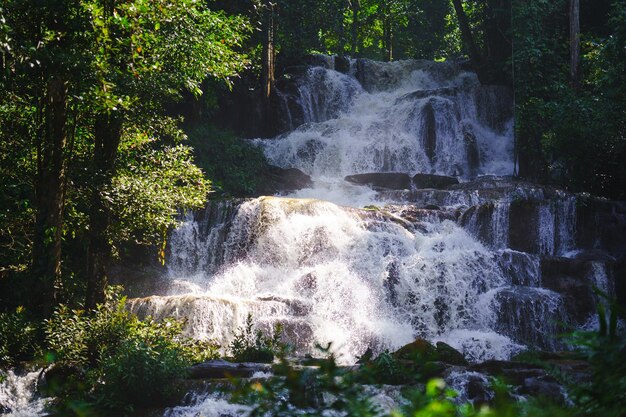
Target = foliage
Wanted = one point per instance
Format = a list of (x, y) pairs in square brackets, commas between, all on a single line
[(386, 369), (125, 361), (249, 345), (301, 391), (18, 337), (605, 393), (234, 165), (574, 136)]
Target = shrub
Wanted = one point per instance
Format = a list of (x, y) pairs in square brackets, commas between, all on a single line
[(122, 361), (18, 336), (249, 345)]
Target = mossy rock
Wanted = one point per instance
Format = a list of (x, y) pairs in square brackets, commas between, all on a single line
[(451, 356), (417, 350)]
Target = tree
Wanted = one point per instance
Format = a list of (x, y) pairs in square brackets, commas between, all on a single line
[(574, 40), (92, 77)]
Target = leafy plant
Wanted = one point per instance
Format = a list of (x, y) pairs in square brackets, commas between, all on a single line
[(231, 163), (122, 361), (307, 391), (18, 336), (250, 345)]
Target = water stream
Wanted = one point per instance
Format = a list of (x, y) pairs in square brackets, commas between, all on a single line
[(446, 265)]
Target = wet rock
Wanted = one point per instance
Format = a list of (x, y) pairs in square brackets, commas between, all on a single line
[(477, 219), (438, 182), (419, 94), (523, 235), (514, 372), (601, 223), (419, 349), (471, 150), (543, 386), (495, 105), (342, 64), (448, 354), (429, 131), (382, 180), (219, 368), (530, 315), (277, 180), (571, 279)]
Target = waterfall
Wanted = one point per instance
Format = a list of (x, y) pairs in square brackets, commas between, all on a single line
[(376, 267), (18, 394)]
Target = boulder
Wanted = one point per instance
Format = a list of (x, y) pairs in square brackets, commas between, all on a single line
[(342, 64), (420, 349), (451, 356), (277, 180), (438, 182), (219, 368), (382, 180)]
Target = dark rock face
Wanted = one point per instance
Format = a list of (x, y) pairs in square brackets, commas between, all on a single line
[(530, 316), (342, 64), (523, 234), (571, 279), (277, 180), (429, 131), (382, 180), (471, 149), (438, 182), (601, 224), (219, 368), (478, 220), (496, 105)]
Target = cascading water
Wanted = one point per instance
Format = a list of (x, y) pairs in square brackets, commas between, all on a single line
[(18, 394), (461, 264)]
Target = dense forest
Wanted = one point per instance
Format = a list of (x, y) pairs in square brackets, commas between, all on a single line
[(116, 117)]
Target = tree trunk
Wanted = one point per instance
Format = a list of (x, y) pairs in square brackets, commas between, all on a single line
[(387, 31), (107, 135), (468, 39), (498, 43), (574, 41), (355, 5), (268, 63), (50, 198)]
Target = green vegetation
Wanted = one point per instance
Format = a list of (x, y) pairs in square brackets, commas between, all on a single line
[(571, 131), (112, 361), (250, 345), (234, 166)]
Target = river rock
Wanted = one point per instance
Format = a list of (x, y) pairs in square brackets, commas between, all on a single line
[(382, 180), (419, 94), (571, 279), (277, 180), (220, 368), (451, 356), (438, 182), (420, 349)]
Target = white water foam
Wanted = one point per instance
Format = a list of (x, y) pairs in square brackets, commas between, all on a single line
[(18, 394)]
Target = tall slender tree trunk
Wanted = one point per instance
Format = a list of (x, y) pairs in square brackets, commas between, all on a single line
[(574, 41), (388, 39), (107, 134), (268, 62), (355, 6), (50, 198), (468, 39)]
